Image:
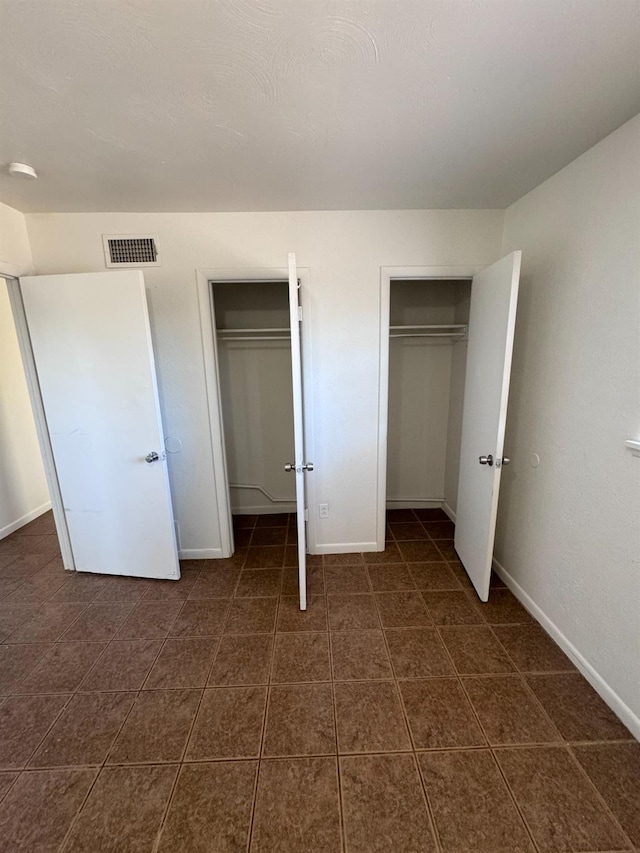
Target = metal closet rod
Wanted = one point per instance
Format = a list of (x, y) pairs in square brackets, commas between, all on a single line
[(255, 334), (456, 330)]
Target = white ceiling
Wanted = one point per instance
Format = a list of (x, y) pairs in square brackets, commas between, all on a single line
[(191, 105)]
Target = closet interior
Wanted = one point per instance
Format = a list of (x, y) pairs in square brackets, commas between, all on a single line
[(254, 364), (428, 321)]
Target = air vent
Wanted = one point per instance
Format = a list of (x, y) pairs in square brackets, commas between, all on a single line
[(130, 250)]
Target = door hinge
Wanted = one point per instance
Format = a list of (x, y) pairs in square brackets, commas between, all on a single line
[(306, 515), (300, 313)]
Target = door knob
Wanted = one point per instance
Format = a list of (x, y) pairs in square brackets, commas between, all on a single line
[(505, 460), (486, 460), (290, 466), (152, 457)]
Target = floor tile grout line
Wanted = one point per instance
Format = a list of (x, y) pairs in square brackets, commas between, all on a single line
[(263, 731), (529, 690), (76, 816), (490, 749), (599, 796), (341, 809), (187, 740), (430, 814), (47, 732), (515, 802)]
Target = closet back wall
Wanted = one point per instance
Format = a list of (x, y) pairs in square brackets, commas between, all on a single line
[(344, 251)]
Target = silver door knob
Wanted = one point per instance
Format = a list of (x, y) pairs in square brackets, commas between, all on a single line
[(505, 460), (486, 460), (152, 457), (290, 466)]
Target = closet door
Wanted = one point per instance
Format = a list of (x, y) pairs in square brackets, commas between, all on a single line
[(494, 295), (93, 355), (299, 466)]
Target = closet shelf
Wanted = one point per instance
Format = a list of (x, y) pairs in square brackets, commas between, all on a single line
[(442, 330), (264, 334)]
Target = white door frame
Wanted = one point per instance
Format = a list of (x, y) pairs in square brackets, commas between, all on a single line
[(204, 279), (387, 274), (37, 407)]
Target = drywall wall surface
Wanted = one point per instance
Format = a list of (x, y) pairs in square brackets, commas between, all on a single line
[(23, 488), (568, 530), (257, 409), (456, 400), (343, 251), (419, 378), (15, 251)]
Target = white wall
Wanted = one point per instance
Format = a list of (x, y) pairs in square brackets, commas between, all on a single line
[(569, 530), (23, 489), (344, 252)]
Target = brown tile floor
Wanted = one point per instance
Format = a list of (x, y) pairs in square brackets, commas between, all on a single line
[(397, 714)]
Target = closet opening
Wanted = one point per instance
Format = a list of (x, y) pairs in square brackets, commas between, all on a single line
[(427, 345), (253, 343)]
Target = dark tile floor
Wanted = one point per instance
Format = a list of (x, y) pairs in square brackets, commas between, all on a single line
[(397, 714)]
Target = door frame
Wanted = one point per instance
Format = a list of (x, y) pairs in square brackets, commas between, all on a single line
[(387, 275), (205, 278), (37, 407)]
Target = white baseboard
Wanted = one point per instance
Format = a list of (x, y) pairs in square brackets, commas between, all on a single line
[(200, 553), (446, 508), (604, 690), (345, 547), (25, 519)]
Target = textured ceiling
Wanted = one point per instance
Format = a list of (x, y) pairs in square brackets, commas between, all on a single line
[(190, 105)]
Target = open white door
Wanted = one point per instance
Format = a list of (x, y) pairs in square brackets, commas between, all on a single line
[(494, 296), (93, 356), (299, 465)]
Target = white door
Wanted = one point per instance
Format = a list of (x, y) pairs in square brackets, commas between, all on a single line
[(494, 295), (92, 349), (300, 466)]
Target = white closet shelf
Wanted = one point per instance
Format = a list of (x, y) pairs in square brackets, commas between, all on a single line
[(264, 334), (441, 330)]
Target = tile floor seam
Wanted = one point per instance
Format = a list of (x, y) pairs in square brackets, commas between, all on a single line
[(23, 769), (432, 821), (76, 816), (539, 705), (398, 692), (187, 739), (515, 802), (461, 685), (98, 765), (598, 795), (264, 726), (430, 814), (341, 811), (14, 690), (489, 746)]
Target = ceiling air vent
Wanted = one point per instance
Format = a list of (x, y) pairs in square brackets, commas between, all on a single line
[(130, 250)]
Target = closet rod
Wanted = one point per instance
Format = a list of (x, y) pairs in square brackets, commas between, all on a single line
[(431, 326), (427, 335), (263, 329)]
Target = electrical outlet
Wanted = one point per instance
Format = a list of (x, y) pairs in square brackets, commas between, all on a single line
[(323, 510)]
